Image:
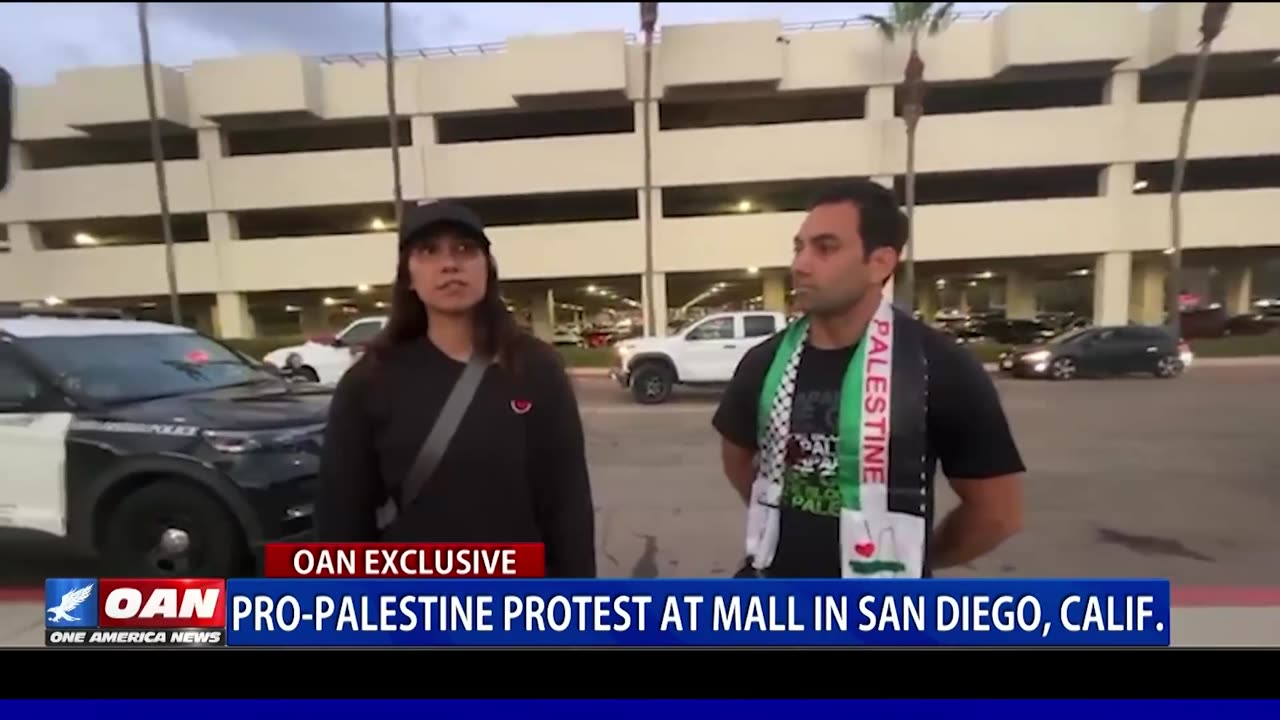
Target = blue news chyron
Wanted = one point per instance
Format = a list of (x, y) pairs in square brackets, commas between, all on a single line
[(71, 620), (659, 613)]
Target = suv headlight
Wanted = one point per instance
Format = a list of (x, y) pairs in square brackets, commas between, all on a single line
[(238, 442)]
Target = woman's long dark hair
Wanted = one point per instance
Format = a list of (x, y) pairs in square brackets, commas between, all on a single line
[(496, 332)]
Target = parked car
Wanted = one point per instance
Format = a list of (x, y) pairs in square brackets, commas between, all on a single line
[(1256, 323), (159, 448), (1203, 322), (1003, 331), (1063, 321), (325, 360), (1269, 307), (1213, 321), (1100, 352), (567, 337), (598, 337), (704, 354)]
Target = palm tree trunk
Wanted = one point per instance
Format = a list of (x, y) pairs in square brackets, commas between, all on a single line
[(157, 156), (911, 111), (909, 264), (649, 307), (393, 118), (1174, 288), (6, 124)]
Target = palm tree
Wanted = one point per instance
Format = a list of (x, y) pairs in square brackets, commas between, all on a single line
[(6, 124), (157, 156), (392, 116), (648, 21), (1212, 20), (912, 19)]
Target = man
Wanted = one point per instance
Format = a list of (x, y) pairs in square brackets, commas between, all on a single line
[(832, 429)]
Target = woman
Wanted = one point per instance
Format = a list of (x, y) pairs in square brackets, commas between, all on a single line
[(515, 470)]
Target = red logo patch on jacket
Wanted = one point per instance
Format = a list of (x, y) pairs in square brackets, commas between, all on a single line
[(520, 407)]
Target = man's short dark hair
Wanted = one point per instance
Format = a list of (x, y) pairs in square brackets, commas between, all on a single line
[(881, 223)]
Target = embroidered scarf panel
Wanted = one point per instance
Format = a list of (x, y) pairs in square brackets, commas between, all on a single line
[(884, 494)]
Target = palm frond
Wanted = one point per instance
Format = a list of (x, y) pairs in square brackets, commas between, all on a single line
[(884, 25), (648, 16), (942, 18), (1212, 20), (912, 11)]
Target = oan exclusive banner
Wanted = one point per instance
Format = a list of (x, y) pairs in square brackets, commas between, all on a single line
[(696, 613)]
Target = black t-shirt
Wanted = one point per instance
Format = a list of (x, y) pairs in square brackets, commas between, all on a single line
[(967, 434), (515, 470)]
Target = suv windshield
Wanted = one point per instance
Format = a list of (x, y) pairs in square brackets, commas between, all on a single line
[(128, 368)]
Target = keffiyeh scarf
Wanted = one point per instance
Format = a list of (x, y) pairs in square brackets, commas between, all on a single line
[(881, 447)]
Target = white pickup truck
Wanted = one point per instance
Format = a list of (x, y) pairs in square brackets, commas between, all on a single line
[(704, 354)]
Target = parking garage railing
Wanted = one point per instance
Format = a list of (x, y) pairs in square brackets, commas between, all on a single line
[(491, 48), (632, 38)]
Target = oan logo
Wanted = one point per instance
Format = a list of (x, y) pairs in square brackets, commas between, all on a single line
[(70, 603), (167, 603)]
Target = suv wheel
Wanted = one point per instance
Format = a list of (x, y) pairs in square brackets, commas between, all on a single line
[(651, 384), (1168, 366), (307, 374), (172, 529)]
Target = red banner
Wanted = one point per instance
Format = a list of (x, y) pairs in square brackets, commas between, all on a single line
[(402, 560)]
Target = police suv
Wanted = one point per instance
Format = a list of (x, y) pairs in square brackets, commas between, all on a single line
[(159, 448)]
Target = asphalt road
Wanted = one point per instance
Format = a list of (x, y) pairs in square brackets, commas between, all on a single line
[(1128, 477)]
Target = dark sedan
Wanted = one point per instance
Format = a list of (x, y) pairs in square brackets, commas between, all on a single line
[(1101, 352)]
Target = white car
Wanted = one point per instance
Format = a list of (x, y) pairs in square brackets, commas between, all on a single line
[(327, 362), (567, 337), (705, 353)]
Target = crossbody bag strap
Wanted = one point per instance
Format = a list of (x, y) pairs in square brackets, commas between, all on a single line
[(437, 442)]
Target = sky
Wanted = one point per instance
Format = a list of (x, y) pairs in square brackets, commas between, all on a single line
[(38, 40)]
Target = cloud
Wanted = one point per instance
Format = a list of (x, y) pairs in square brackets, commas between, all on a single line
[(38, 40)]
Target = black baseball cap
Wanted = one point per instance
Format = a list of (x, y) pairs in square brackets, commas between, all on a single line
[(420, 218)]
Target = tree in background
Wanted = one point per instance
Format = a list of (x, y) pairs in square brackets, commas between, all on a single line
[(1212, 20), (648, 22), (912, 19), (157, 156), (393, 117)]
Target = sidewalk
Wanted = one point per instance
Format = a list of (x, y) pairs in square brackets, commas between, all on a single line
[(589, 372), (1211, 362), (21, 624), (1257, 361)]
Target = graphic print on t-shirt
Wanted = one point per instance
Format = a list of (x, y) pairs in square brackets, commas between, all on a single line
[(810, 483), (809, 474)]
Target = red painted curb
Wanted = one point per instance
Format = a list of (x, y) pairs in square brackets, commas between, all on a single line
[(1182, 596), (16, 594), (1226, 597)]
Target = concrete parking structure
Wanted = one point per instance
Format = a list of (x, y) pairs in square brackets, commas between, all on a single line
[(1044, 164)]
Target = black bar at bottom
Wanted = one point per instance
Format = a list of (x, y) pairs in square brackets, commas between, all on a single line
[(669, 674)]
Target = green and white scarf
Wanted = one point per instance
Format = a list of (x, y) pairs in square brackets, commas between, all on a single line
[(874, 541)]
